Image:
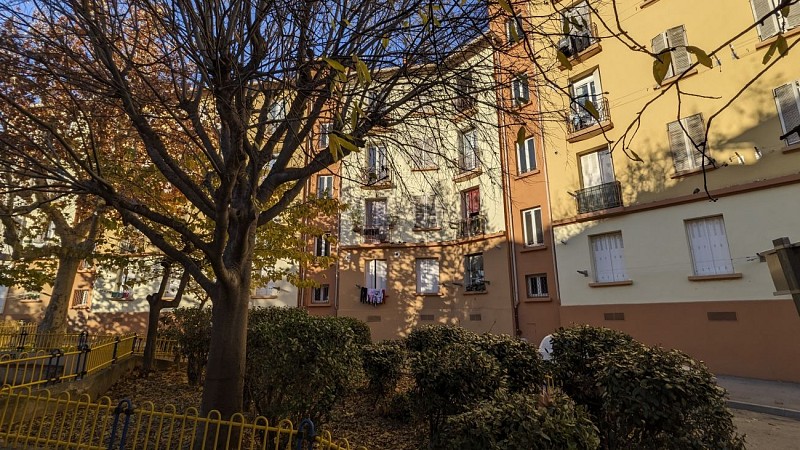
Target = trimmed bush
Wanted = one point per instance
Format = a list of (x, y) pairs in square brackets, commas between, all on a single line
[(360, 329), (576, 359), (437, 336), (191, 329), (299, 366), (654, 398), (383, 367), (520, 361), (548, 420)]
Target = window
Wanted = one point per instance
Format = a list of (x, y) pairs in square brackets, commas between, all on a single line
[(80, 298), (428, 276), (465, 87), (277, 112), (266, 290), (709, 246), (122, 287), (686, 146), (473, 276), (375, 274), (514, 32), (322, 246), (321, 294), (578, 34), (324, 131), (787, 97), (468, 150), (600, 189), (377, 164), (424, 156), (775, 23), (325, 186), (597, 168), (519, 89), (526, 156), (586, 93), (3, 295), (608, 257), (537, 285), (532, 225), (376, 213), (45, 235), (675, 40), (472, 223), (425, 211)]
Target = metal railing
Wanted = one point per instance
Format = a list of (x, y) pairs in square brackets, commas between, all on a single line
[(376, 234), (578, 40), (596, 198), (472, 226), (580, 118), (41, 420), (376, 175)]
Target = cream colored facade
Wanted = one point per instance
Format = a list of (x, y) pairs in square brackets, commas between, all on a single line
[(639, 244), (459, 244)]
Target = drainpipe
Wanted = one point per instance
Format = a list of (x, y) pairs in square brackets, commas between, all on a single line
[(338, 243)]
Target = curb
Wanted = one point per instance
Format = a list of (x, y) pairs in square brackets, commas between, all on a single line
[(774, 410)]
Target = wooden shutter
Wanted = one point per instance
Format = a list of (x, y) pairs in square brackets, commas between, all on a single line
[(697, 132), (473, 201), (659, 43), (793, 19), (770, 26), (718, 240), (676, 39), (609, 258), (787, 97), (709, 246), (678, 145), (606, 166)]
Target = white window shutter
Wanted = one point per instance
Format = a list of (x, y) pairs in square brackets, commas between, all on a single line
[(590, 170), (697, 132), (606, 166), (617, 255), (676, 38), (702, 256), (770, 26), (793, 19), (603, 268), (659, 43), (719, 245), (678, 145), (787, 98)]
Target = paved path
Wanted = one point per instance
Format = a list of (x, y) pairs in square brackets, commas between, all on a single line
[(767, 432), (769, 397)]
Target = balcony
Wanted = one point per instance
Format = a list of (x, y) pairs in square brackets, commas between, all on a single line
[(472, 226), (376, 176), (578, 41), (376, 234), (580, 119), (464, 103), (596, 198)]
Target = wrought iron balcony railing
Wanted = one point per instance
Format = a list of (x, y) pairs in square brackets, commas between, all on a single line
[(578, 40), (580, 118), (596, 198), (376, 234), (376, 175), (472, 226), (464, 103)]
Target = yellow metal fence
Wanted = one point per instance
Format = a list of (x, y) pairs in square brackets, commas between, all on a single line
[(40, 420)]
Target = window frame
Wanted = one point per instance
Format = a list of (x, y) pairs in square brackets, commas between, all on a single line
[(676, 40), (794, 86), (328, 183), (425, 214), (527, 152), (423, 266), (474, 281), (317, 296), (544, 289), (520, 89), (322, 246), (692, 154), (775, 22), (716, 263), (372, 266), (514, 23), (85, 295), (618, 272), (468, 142), (533, 237), (324, 132)]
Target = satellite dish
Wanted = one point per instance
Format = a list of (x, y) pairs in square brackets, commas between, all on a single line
[(546, 347)]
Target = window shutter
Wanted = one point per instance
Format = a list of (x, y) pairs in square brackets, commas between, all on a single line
[(718, 242), (419, 212), (787, 97), (659, 44), (473, 201), (606, 166), (431, 211), (590, 170), (380, 274), (603, 268), (702, 256), (615, 250), (697, 131), (678, 145), (793, 19), (681, 60), (769, 27)]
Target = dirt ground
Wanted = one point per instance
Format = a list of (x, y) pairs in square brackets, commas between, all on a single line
[(766, 432)]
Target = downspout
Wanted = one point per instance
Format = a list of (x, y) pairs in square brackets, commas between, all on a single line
[(338, 243)]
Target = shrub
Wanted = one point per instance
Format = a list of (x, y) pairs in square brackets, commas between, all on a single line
[(360, 329), (191, 329), (520, 361), (655, 398), (299, 366), (437, 336), (575, 362), (450, 380), (548, 420), (383, 367)]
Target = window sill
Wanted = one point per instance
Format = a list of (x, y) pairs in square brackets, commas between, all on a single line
[(431, 294), (688, 173), (468, 175), (119, 299), (422, 230), (724, 276), (378, 186), (425, 169), (319, 304), (529, 173), (792, 148), (611, 284), (38, 300), (86, 307), (589, 132), (543, 299), (533, 248), (680, 77), (587, 53), (767, 42), (646, 3), (476, 293), (263, 297)]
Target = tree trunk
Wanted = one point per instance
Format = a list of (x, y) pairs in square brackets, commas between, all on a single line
[(152, 334), (224, 381), (55, 316)]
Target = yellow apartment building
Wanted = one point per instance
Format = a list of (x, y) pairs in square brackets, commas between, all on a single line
[(657, 230)]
